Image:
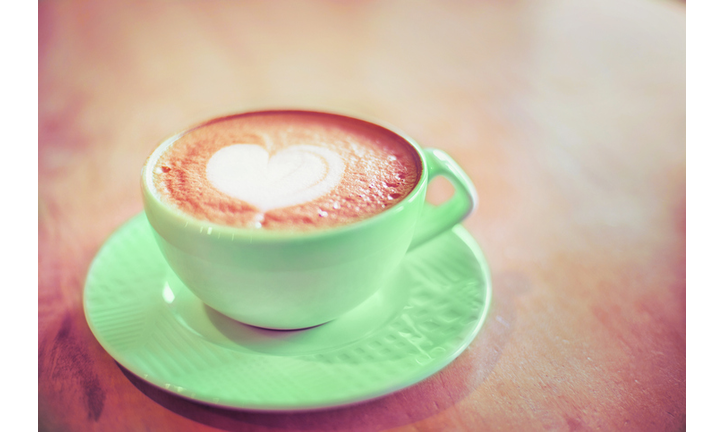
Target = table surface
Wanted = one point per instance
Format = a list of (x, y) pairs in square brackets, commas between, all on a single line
[(568, 116)]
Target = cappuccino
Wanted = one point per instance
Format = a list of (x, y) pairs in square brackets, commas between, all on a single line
[(285, 170)]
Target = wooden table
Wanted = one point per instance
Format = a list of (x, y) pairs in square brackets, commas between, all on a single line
[(569, 117)]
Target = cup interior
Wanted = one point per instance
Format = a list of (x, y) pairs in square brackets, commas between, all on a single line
[(154, 200)]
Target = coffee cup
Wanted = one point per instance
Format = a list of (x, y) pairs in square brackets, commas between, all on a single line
[(319, 265)]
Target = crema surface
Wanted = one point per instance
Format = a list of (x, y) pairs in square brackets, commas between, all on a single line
[(286, 170)]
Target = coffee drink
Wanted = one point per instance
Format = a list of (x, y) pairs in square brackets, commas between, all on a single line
[(285, 170)]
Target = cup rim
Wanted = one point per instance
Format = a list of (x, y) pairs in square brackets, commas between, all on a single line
[(241, 234)]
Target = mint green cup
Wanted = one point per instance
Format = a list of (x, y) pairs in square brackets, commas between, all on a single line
[(293, 280)]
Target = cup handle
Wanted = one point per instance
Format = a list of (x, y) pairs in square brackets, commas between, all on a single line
[(437, 219)]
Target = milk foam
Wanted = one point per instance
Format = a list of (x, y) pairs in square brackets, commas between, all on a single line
[(295, 175), (284, 170)]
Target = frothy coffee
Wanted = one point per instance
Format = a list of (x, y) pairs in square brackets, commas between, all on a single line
[(286, 170)]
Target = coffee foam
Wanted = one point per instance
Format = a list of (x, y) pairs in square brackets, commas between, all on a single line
[(293, 176), (312, 171)]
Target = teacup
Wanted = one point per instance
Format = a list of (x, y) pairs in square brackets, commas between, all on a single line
[(281, 279)]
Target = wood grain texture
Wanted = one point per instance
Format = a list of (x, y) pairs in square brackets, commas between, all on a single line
[(569, 117)]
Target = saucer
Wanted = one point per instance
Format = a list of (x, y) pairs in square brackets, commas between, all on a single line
[(414, 326)]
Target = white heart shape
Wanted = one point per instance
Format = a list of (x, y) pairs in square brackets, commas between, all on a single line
[(293, 176)]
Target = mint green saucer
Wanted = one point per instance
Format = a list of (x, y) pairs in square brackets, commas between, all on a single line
[(149, 322)]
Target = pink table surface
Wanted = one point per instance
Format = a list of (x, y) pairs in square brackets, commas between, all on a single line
[(568, 116)]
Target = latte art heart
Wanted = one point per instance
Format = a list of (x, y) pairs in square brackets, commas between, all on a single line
[(295, 175)]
